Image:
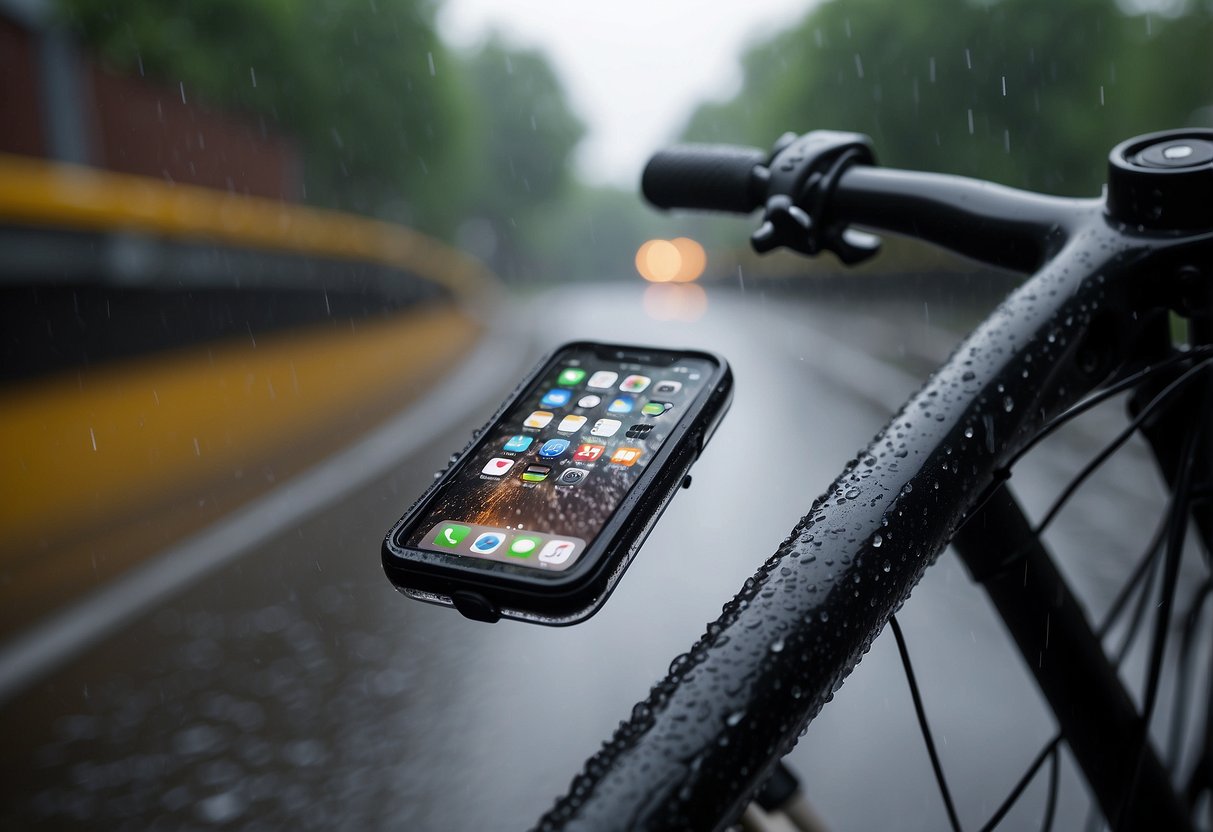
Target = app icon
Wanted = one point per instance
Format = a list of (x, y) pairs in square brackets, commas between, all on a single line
[(570, 376), (557, 551), (553, 448), (666, 388), (602, 380), (589, 452), (518, 444), (655, 408), (523, 545), (488, 543), (570, 424), (536, 473), (449, 535), (538, 419), (556, 397), (497, 466), (605, 427), (634, 384), (638, 431), (589, 401), (626, 456), (571, 476), (622, 404)]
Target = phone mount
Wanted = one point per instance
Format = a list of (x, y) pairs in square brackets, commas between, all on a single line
[(800, 178)]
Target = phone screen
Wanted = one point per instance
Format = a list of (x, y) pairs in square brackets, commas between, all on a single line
[(553, 469)]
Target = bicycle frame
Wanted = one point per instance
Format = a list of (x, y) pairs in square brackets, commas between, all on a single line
[(697, 749)]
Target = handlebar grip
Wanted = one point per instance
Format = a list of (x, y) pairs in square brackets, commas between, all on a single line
[(712, 177)]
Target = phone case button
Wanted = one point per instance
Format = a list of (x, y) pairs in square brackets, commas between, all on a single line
[(475, 606)]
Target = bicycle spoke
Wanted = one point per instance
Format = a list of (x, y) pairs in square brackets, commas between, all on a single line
[(1124, 384), (1177, 528), (1011, 798), (1139, 611), (922, 723), (1134, 581), (1162, 398), (1051, 803), (1179, 704)]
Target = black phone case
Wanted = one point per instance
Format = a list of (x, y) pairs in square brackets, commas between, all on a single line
[(488, 591)]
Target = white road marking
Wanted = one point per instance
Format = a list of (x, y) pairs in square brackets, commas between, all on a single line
[(32, 653)]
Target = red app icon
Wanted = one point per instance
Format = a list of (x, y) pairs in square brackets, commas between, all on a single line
[(588, 452)]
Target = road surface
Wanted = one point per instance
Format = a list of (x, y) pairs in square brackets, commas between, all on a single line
[(273, 679)]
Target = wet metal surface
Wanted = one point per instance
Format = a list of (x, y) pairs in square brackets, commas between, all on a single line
[(294, 688)]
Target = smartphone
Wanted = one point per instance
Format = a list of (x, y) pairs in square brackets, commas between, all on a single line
[(541, 514)]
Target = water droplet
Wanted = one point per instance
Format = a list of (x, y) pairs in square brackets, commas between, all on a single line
[(887, 567), (777, 646), (1008, 404), (732, 719), (877, 541)]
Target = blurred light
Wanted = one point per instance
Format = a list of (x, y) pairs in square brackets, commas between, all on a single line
[(658, 261), (693, 259), (670, 302), (663, 261)]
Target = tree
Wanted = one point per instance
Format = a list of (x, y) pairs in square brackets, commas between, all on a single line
[(1032, 93), (365, 86)]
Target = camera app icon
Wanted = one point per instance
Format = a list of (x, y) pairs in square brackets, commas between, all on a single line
[(571, 476)]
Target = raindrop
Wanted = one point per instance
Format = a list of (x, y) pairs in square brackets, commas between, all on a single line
[(1008, 404), (776, 647), (877, 541), (887, 567)]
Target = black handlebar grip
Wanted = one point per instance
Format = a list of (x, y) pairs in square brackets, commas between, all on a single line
[(711, 177)]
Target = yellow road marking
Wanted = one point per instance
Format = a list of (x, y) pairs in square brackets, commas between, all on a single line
[(111, 445), (69, 196)]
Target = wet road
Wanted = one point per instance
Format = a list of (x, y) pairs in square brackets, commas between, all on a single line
[(292, 687)]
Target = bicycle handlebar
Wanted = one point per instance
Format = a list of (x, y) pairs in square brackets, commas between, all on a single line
[(991, 223), (708, 177), (698, 748)]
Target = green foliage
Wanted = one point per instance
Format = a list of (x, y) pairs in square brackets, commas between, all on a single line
[(1032, 93), (526, 131), (390, 122), (364, 86)]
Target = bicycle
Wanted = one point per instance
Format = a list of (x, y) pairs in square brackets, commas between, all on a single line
[(1092, 322)]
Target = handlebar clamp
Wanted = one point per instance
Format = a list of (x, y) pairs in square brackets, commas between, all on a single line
[(800, 178)]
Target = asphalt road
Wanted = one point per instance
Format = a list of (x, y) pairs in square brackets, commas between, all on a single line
[(283, 683)]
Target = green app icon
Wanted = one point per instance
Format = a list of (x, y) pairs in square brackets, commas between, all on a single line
[(655, 408), (449, 535), (570, 376), (524, 545)]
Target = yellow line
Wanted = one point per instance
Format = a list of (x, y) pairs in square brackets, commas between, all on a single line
[(76, 451), (35, 191)]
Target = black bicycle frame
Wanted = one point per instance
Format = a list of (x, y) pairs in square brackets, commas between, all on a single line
[(693, 754)]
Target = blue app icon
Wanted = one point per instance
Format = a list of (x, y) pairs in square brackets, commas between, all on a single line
[(556, 397), (519, 443), (623, 404), (554, 448), (488, 542)]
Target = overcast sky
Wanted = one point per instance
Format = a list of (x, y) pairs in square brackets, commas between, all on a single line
[(633, 69)]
